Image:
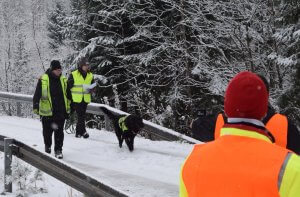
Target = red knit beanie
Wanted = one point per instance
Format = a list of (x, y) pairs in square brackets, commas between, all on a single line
[(246, 97)]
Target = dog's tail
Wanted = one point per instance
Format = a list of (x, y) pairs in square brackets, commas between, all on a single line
[(108, 113)]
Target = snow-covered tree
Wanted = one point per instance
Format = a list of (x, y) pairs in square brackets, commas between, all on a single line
[(174, 54), (56, 26), (288, 57), (21, 72), (18, 52)]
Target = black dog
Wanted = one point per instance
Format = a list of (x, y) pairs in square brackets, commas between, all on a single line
[(126, 127)]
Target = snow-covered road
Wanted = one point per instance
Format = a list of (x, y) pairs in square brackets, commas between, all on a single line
[(152, 169)]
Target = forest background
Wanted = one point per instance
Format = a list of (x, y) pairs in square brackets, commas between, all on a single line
[(162, 59)]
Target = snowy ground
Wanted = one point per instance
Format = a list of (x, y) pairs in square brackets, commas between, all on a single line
[(152, 169)]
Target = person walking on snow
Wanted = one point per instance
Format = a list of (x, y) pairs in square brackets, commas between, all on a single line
[(50, 101), (80, 82), (243, 161)]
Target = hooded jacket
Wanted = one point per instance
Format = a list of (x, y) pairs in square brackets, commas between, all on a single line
[(59, 110)]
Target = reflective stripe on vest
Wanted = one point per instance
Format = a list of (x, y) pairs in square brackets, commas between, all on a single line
[(278, 126), (63, 81), (291, 178), (122, 124), (45, 105), (78, 91), (234, 166), (219, 125)]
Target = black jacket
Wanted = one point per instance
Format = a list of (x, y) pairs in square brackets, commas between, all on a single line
[(57, 97), (203, 128)]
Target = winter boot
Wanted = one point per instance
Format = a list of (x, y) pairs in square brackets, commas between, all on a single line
[(78, 135), (58, 154), (86, 135), (120, 142), (47, 149)]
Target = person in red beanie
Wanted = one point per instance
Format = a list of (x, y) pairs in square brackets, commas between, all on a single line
[(243, 161), (282, 128)]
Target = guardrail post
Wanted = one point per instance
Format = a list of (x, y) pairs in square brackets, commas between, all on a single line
[(7, 164), (107, 123)]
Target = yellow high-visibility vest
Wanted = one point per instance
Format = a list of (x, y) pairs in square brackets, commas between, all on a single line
[(45, 105), (78, 91)]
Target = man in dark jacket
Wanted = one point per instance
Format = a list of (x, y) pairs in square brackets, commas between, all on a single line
[(203, 126), (80, 82), (50, 101)]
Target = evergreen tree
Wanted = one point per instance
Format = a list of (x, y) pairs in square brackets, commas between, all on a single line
[(286, 43), (168, 58), (20, 72), (98, 27), (16, 69), (289, 102), (56, 25), (288, 57)]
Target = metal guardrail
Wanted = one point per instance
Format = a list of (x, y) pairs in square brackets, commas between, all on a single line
[(72, 177), (158, 131), (63, 172)]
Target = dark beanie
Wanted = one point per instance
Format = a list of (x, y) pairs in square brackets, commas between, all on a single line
[(246, 97), (82, 61), (55, 64), (201, 112)]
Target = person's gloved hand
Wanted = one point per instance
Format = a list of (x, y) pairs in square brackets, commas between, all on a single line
[(93, 90), (36, 111)]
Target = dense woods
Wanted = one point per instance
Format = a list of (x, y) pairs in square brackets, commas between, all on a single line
[(165, 59)]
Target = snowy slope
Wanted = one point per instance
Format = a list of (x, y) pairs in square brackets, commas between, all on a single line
[(151, 170)]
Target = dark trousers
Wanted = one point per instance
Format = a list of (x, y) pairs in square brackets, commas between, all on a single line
[(57, 126), (80, 109)]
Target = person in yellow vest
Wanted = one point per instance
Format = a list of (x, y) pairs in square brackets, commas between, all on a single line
[(284, 131), (51, 102), (80, 82), (243, 161)]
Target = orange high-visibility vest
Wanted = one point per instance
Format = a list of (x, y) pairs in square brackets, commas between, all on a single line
[(278, 126), (234, 166), (219, 125)]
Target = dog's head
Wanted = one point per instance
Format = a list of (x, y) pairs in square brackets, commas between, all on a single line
[(134, 123)]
